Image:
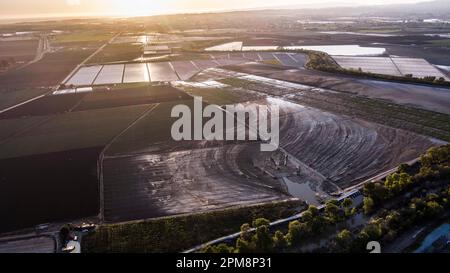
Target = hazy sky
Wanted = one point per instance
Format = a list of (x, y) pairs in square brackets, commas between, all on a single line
[(11, 8)]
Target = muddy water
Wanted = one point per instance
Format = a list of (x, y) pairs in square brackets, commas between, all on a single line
[(302, 191)]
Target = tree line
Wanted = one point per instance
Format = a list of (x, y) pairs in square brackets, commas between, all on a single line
[(424, 193)]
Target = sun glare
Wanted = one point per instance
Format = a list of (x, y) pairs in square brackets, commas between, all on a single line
[(137, 8)]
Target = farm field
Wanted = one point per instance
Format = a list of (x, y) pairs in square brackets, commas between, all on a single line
[(74, 140), (162, 72), (85, 76), (55, 187), (59, 153), (183, 182), (117, 53), (110, 74), (17, 86), (266, 56), (417, 67), (379, 65), (391, 66), (131, 39), (83, 37), (233, 46), (430, 98), (331, 152), (228, 61), (173, 70), (220, 96), (49, 71), (286, 59), (21, 51), (151, 133), (72, 131), (47, 105), (259, 48), (136, 73), (342, 50), (345, 150), (406, 117), (205, 64), (87, 134), (127, 96), (339, 50), (12, 127), (252, 56), (11, 97), (185, 69)]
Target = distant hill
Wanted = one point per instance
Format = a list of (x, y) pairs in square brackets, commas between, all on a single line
[(438, 8), (429, 9)]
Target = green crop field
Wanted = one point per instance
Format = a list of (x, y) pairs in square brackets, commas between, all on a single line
[(117, 53), (84, 36)]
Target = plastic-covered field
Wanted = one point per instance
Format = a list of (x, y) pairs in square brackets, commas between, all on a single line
[(185, 69), (233, 46), (110, 74), (228, 61), (85, 76), (162, 72), (259, 48), (136, 73), (287, 60), (205, 64), (390, 66), (253, 56), (174, 70), (342, 50), (417, 67), (379, 65)]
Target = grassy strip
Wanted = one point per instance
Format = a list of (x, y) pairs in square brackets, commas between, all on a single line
[(179, 233), (398, 116)]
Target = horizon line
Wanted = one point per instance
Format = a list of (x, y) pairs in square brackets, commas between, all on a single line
[(22, 18)]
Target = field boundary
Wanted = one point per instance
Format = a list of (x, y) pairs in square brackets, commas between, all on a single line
[(102, 157)]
